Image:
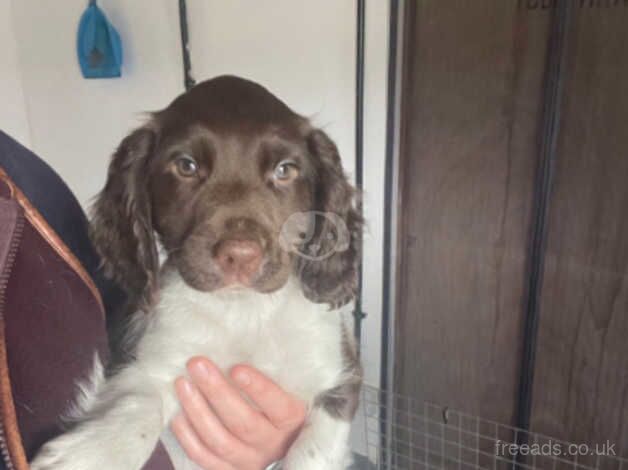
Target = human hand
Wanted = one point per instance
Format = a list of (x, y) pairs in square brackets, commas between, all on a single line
[(220, 430)]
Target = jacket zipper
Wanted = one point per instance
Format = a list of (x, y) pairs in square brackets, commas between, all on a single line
[(4, 280)]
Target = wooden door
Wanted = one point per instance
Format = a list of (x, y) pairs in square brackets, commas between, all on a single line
[(471, 106), (580, 389), (472, 109)]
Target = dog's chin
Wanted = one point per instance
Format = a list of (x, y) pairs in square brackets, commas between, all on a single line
[(265, 282)]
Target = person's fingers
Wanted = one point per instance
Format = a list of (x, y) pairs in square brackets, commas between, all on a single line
[(194, 448), (284, 411), (211, 432), (238, 416)]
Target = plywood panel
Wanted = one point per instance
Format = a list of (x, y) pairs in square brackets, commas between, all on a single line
[(472, 104), (581, 378)]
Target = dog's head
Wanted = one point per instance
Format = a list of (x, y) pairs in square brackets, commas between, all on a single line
[(240, 190)]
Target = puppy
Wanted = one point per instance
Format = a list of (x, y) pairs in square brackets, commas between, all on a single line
[(255, 215)]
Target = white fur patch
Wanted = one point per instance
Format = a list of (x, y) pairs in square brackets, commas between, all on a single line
[(295, 342)]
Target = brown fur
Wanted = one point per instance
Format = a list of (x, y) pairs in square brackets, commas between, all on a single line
[(342, 401), (237, 132)]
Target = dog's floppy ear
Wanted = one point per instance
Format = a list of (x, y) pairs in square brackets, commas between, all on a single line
[(121, 226), (328, 272)]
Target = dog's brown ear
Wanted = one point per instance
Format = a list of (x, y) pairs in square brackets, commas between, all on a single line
[(121, 227), (328, 271)]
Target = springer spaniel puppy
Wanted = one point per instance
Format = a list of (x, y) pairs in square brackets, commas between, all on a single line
[(255, 215)]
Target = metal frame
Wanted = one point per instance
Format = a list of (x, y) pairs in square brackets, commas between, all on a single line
[(550, 123), (425, 435), (358, 314), (391, 214)]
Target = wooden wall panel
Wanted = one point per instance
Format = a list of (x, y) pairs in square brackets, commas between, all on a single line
[(580, 391), (471, 108)]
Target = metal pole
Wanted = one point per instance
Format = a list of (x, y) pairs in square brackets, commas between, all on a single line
[(188, 80), (358, 314)]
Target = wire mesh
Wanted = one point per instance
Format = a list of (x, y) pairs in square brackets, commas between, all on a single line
[(405, 434)]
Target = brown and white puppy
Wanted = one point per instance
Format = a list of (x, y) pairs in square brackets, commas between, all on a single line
[(252, 208)]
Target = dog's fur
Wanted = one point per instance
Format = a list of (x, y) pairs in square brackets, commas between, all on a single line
[(279, 316)]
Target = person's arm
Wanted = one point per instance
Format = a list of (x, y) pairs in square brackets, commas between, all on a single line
[(219, 430)]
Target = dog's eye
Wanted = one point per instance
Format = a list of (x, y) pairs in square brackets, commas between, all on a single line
[(186, 166), (286, 171)]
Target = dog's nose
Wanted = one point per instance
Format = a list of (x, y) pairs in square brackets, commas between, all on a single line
[(239, 260)]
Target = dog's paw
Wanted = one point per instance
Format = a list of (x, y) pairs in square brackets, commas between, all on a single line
[(50, 457), (68, 452)]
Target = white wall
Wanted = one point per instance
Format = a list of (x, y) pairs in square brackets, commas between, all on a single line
[(75, 123), (13, 116), (303, 51), (376, 88)]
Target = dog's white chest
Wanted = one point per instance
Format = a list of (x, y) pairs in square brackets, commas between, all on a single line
[(293, 341)]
